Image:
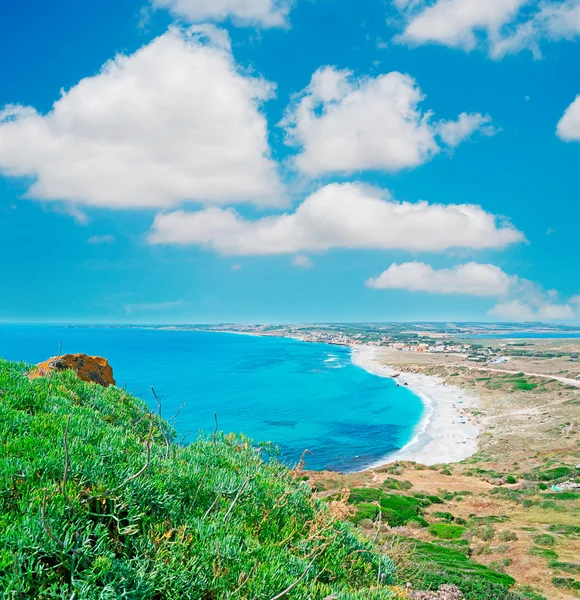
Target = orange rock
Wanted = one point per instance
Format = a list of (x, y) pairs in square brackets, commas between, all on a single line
[(89, 368)]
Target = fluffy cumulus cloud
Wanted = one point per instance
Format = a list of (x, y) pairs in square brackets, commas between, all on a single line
[(338, 216), (512, 310), (517, 299), (528, 301), (344, 124), (504, 26), (518, 310), (265, 13), (455, 132), (175, 121), (569, 126), (473, 279)]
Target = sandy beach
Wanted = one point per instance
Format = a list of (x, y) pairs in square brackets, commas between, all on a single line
[(445, 434)]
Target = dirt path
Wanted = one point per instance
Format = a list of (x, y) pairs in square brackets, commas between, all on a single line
[(564, 380)]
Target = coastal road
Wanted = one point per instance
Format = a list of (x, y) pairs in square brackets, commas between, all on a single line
[(565, 380)]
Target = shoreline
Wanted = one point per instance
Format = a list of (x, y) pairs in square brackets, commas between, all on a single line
[(444, 434)]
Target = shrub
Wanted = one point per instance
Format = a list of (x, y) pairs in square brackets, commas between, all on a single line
[(565, 566), (445, 531), (399, 510), (566, 582), (544, 539), (485, 533), (365, 511), (543, 552), (524, 385), (564, 529), (358, 495), (396, 484), (507, 536), (446, 516)]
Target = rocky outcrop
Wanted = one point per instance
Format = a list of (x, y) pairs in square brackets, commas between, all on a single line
[(89, 368)]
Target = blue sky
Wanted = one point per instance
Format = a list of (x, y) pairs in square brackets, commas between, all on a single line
[(260, 161)]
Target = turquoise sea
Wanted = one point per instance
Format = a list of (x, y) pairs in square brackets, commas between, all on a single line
[(298, 395)]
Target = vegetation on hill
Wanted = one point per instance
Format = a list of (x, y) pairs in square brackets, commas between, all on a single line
[(98, 501)]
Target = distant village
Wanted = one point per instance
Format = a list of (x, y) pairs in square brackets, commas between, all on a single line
[(402, 341)]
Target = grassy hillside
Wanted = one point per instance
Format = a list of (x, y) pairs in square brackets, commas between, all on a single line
[(97, 500)]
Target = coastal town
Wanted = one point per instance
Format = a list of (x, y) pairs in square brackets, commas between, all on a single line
[(471, 342)]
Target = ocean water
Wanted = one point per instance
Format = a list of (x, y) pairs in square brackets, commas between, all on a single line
[(295, 394)]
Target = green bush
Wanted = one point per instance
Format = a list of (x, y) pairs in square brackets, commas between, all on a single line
[(552, 474), (439, 565), (507, 536), (365, 511), (566, 582), (396, 484), (564, 529), (446, 532), (567, 567), (358, 495), (445, 516), (524, 385), (98, 502), (544, 539), (400, 510), (543, 552)]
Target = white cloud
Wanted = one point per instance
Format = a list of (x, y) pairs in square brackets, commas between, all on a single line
[(504, 26), (569, 126), (236, 267), (513, 310), (527, 301), (302, 262), (556, 20), (455, 22), (455, 132), (175, 121), (518, 310), (556, 312), (346, 215), (345, 124), (472, 279), (519, 299), (265, 13), (101, 239)]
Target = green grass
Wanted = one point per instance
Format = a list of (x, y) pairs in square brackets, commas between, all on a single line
[(446, 531), (524, 385), (130, 514)]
